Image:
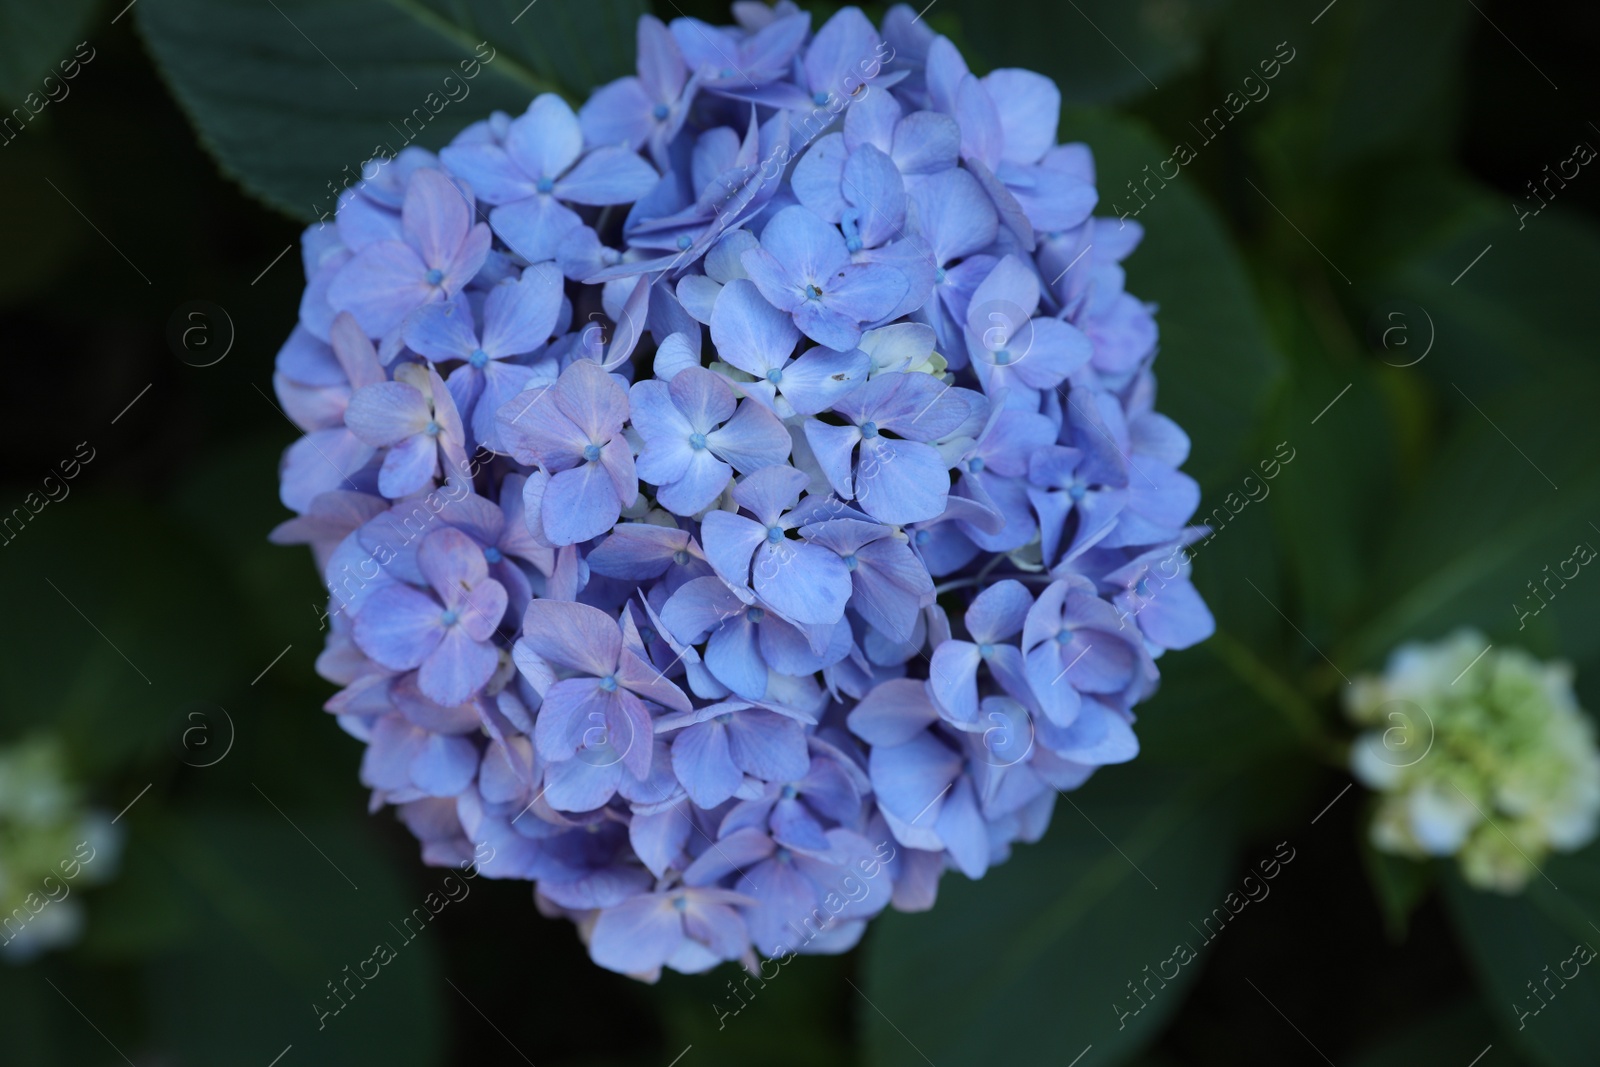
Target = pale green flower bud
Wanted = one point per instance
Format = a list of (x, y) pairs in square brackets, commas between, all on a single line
[(1487, 759), (50, 846)]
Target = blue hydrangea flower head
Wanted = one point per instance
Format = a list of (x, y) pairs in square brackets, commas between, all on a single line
[(743, 487)]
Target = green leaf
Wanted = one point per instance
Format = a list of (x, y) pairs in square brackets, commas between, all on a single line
[(272, 922), (292, 95), (1512, 940), (1098, 51), (1216, 366), (1400, 884), (1514, 490), (35, 39), (1028, 964)]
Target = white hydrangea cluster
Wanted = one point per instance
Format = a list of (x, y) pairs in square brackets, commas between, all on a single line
[(50, 845), (1488, 759)]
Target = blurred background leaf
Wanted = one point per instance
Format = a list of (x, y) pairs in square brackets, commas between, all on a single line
[(296, 95), (34, 40), (1049, 942)]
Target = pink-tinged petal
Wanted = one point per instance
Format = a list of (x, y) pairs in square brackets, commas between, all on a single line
[(436, 217), (617, 459), (409, 467), (381, 285), (596, 402), (578, 785), (387, 413), (576, 637), (399, 626), (704, 398), (537, 433), (355, 352), (321, 461), (638, 675), (452, 563), (571, 719)]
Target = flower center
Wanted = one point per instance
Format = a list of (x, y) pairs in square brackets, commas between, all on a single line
[(755, 614), (493, 554), (609, 683), (478, 358), (986, 650), (939, 276), (697, 441), (1141, 588), (661, 111), (432, 429), (775, 375), (813, 293), (869, 430), (434, 276), (922, 537), (449, 618), (725, 718), (546, 184), (850, 562), (681, 557), (789, 792), (1077, 490), (975, 464), (819, 98), (591, 453), (1001, 358), (774, 534), (680, 903), (1063, 636), (648, 635), (684, 241)]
